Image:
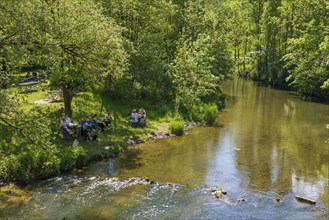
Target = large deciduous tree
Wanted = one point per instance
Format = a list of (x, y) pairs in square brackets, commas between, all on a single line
[(73, 39)]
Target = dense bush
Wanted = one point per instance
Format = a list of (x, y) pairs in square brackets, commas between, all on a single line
[(210, 113), (73, 157), (80, 156), (67, 159), (28, 166), (177, 127)]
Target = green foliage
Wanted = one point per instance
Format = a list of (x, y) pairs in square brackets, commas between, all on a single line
[(192, 75), (78, 45), (71, 157), (27, 166), (307, 61), (80, 156), (149, 35), (210, 113), (9, 166), (67, 159), (288, 39), (177, 127)]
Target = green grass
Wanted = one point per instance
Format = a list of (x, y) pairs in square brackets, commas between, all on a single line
[(89, 103)]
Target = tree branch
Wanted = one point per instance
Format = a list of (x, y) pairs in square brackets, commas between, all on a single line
[(21, 131)]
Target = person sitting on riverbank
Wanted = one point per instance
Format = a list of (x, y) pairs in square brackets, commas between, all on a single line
[(134, 118), (86, 128), (92, 122), (97, 122), (66, 131), (67, 120), (142, 116), (108, 120)]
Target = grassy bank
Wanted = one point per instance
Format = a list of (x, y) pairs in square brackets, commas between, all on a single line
[(22, 162), (37, 149)]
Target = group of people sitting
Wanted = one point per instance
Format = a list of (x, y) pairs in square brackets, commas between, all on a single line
[(138, 118), (87, 126), (68, 128)]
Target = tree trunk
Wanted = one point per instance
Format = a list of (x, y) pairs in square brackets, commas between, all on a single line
[(245, 55), (239, 72), (67, 96)]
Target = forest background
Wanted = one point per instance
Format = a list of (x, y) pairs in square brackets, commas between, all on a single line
[(168, 56)]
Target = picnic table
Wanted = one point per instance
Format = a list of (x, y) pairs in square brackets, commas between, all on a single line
[(55, 95), (28, 86), (30, 79)]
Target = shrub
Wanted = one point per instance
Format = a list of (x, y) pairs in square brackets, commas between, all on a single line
[(47, 164), (80, 156), (210, 113), (9, 167), (177, 127), (67, 159), (73, 157)]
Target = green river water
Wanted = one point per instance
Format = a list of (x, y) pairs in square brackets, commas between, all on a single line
[(271, 147)]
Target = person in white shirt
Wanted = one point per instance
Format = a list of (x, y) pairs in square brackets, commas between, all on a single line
[(67, 120), (134, 117), (63, 125)]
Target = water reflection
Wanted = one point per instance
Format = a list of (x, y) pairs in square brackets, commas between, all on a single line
[(280, 139), (180, 160)]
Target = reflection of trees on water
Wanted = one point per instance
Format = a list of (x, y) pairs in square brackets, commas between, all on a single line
[(178, 160), (279, 135)]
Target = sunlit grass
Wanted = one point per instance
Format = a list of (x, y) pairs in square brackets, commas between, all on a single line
[(86, 104)]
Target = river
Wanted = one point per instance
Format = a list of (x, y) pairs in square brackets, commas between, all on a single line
[(271, 147)]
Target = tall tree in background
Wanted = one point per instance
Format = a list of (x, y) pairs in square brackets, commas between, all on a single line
[(149, 31), (238, 29), (201, 60), (158, 33), (290, 42), (308, 55)]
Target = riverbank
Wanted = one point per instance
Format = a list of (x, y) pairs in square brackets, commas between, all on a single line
[(49, 153)]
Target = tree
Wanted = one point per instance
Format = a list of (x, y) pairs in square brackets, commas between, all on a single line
[(72, 39), (202, 60), (308, 53), (149, 32)]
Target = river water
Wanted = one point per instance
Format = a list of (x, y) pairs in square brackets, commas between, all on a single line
[(271, 147)]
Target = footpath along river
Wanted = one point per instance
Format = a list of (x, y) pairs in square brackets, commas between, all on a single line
[(272, 146)]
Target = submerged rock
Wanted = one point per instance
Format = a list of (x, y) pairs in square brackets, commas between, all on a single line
[(278, 199), (218, 192), (242, 200), (305, 200)]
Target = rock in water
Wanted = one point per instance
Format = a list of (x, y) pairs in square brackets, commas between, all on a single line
[(218, 194), (305, 200)]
